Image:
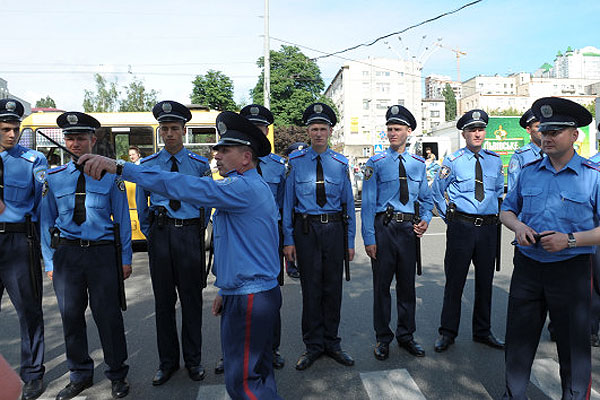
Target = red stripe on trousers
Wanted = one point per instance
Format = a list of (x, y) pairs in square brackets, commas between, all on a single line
[(247, 346)]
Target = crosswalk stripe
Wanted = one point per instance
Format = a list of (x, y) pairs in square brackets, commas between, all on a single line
[(546, 376), (391, 384), (212, 392)]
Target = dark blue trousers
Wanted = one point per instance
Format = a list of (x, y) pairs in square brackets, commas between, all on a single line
[(175, 269), (595, 316), (563, 288), (320, 254), (466, 242), (82, 273), (396, 256), (14, 276), (247, 324)]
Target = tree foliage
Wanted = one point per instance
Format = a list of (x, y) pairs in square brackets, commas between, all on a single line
[(104, 99), (138, 98), (591, 108), (507, 112), (284, 136), (215, 89), (450, 102), (295, 83), (47, 102)]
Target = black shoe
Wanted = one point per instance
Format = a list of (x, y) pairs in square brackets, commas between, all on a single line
[(595, 340), (220, 367), (120, 388), (412, 347), (306, 360), (196, 373), (74, 388), (490, 340), (278, 360), (33, 389), (294, 274), (443, 343), (381, 351), (162, 376), (342, 357)]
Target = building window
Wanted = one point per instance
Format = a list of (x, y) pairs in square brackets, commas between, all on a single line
[(400, 102), (365, 73), (367, 151), (366, 104), (435, 114)]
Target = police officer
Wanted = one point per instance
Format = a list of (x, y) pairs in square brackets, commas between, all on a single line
[(21, 177), (528, 153), (173, 229), (395, 183), (553, 210), (473, 181), (246, 256), (317, 188), (79, 254), (595, 316)]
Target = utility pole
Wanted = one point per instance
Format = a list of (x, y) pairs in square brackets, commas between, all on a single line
[(267, 66)]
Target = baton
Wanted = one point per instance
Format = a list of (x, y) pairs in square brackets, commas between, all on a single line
[(418, 241), (63, 148), (537, 237), (498, 238), (346, 251)]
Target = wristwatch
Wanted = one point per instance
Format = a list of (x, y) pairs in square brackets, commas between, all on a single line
[(571, 240), (120, 164)]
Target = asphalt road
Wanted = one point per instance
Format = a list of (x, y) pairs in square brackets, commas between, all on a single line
[(466, 371)]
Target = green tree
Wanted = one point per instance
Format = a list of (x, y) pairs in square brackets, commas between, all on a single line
[(295, 83), (215, 89), (450, 102), (138, 98), (507, 112), (591, 108), (286, 135), (47, 102), (105, 99)]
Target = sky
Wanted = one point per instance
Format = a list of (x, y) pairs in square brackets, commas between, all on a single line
[(55, 47)]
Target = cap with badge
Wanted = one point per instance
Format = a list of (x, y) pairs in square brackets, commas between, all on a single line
[(235, 130), (556, 113), (257, 114), (319, 113), (527, 119), (11, 110), (295, 146), (73, 122), (171, 111), (400, 115), (472, 119)]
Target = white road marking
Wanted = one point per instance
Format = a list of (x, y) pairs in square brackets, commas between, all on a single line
[(212, 392), (545, 375), (391, 384)]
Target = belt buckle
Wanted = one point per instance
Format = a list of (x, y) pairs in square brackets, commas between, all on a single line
[(399, 218), (478, 221), (2, 227), (84, 243), (324, 218), (178, 223)]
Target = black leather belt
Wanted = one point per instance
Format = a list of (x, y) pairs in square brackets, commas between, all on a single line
[(182, 222), (13, 227), (398, 216), (322, 218), (477, 220), (84, 243)]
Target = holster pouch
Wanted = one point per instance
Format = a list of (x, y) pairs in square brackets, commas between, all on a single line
[(54, 237)]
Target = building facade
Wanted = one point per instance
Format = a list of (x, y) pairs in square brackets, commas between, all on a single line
[(433, 114)]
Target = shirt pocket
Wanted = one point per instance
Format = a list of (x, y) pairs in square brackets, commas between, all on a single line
[(575, 204), (389, 182), (65, 200), (16, 191), (306, 184), (97, 196), (414, 182), (465, 184), (333, 187), (533, 199), (489, 181)]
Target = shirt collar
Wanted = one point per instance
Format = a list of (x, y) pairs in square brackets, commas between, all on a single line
[(574, 164), (71, 167), (536, 149), (313, 154), (166, 156), (15, 151), (471, 155)]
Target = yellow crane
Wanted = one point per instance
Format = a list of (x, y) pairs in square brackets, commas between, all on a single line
[(458, 53)]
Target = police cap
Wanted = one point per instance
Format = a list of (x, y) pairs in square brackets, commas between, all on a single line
[(73, 122), (319, 113), (171, 111), (527, 119), (295, 146), (236, 130), (257, 114), (11, 110), (555, 113), (472, 119), (400, 115)]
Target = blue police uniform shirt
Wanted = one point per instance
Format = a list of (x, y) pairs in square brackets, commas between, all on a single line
[(526, 154), (273, 172), (565, 201), (381, 188), (24, 174), (245, 222), (456, 178), (104, 199), (188, 163), (595, 158), (300, 189)]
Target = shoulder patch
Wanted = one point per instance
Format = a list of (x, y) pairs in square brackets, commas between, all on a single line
[(444, 172), (225, 181), (39, 173), (513, 166), (150, 157), (29, 156), (418, 157), (368, 172), (120, 184), (56, 169), (45, 189), (491, 153), (592, 165), (298, 153), (339, 158), (277, 158), (378, 157), (455, 155), (198, 158)]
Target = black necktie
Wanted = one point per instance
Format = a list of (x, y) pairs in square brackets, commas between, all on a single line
[(174, 204), (79, 212), (321, 197), (1, 179), (479, 191), (258, 168), (403, 183), (541, 153)]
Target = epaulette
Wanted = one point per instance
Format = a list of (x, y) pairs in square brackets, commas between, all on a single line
[(533, 162), (197, 157), (150, 157), (378, 157), (298, 153), (418, 157), (456, 154), (491, 153), (29, 156), (523, 149), (56, 169), (339, 158), (592, 165), (277, 158)]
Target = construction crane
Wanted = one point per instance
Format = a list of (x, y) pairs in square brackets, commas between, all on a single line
[(458, 54)]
